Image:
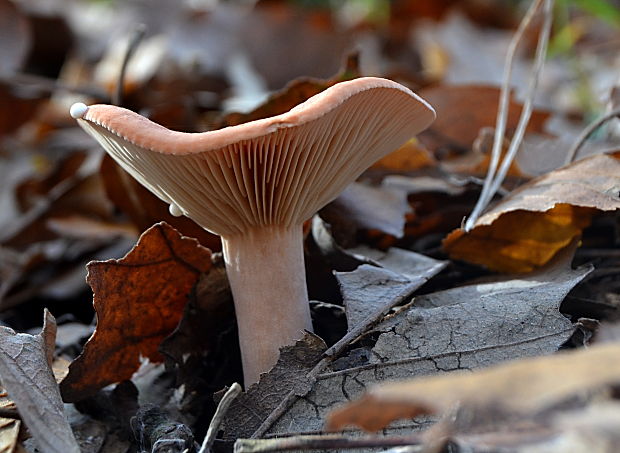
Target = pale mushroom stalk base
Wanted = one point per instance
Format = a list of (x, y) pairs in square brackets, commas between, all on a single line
[(268, 280)]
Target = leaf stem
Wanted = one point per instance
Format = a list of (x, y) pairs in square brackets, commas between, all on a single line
[(590, 128), (492, 180)]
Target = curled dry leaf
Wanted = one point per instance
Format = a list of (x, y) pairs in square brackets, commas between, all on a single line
[(532, 224), (26, 370), (139, 301), (293, 94), (522, 387)]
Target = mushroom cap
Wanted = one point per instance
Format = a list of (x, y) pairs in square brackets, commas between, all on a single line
[(274, 171)]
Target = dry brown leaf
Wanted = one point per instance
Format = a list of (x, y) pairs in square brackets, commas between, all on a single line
[(139, 301), (9, 428), (528, 227), (409, 157), (524, 387), (26, 369), (476, 161), (294, 93), (465, 109)]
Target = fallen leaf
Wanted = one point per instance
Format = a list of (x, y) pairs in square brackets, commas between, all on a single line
[(16, 108), (25, 367), (291, 32), (462, 110), (438, 204), (370, 288), (251, 408), (139, 301), (458, 329), (477, 160), (363, 207), (528, 227), (409, 157), (293, 94), (501, 318), (9, 428), (526, 386), (195, 345)]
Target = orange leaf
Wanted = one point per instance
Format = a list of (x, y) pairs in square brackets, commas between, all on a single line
[(532, 224), (409, 157), (139, 301)]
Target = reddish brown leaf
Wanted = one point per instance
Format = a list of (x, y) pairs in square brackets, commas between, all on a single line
[(139, 301), (296, 92), (463, 110)]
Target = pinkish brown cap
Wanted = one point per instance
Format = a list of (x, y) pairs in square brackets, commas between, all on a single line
[(274, 171)]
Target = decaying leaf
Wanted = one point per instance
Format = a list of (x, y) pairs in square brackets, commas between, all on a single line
[(499, 319), (9, 427), (525, 386), (458, 329), (370, 288), (26, 373), (251, 408), (528, 227), (362, 207), (296, 92), (409, 157), (462, 110), (139, 301)]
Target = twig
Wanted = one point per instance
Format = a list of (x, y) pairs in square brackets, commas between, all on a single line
[(217, 419), (134, 41), (323, 442), (491, 180), (572, 153), (49, 85), (526, 113)]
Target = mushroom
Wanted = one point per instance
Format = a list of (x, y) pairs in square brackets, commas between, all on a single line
[(254, 185)]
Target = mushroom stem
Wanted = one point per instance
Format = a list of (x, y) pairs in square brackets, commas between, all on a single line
[(262, 263)]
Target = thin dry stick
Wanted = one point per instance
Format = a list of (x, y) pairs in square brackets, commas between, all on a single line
[(502, 114), (48, 85), (134, 41), (541, 52), (323, 442), (572, 153), (230, 395)]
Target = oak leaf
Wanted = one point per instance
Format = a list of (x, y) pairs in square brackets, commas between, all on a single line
[(139, 300)]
